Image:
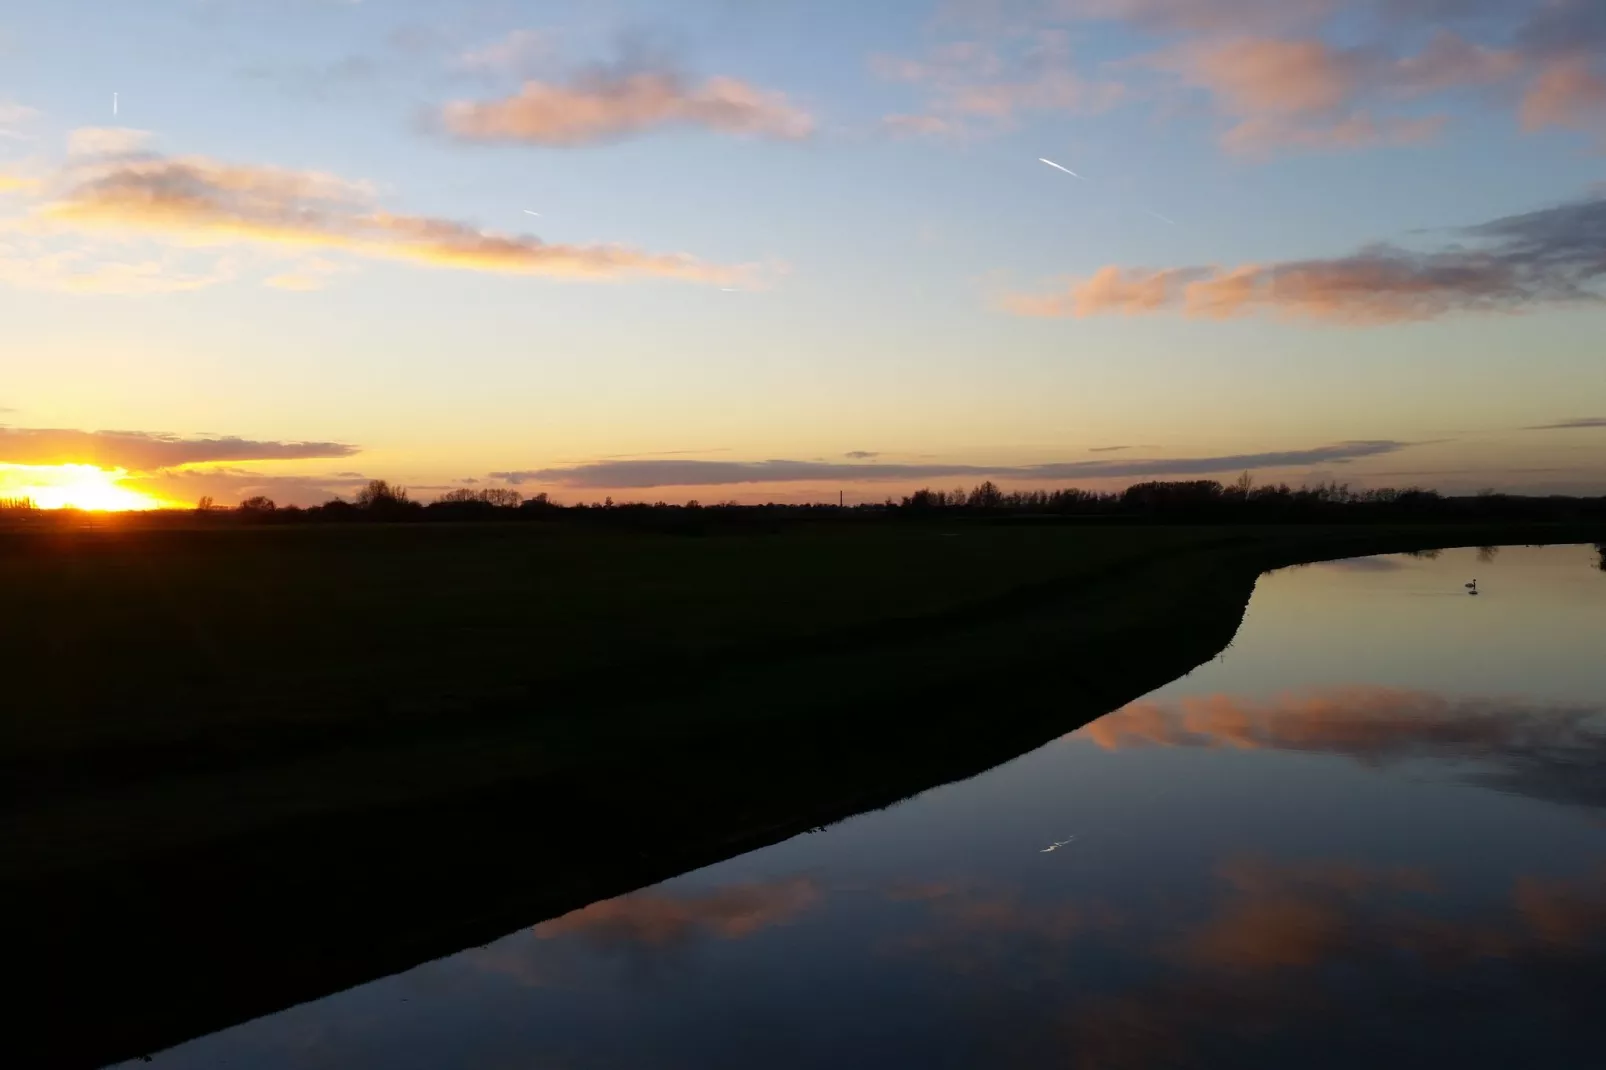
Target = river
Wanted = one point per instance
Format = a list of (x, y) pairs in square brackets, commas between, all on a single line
[(1373, 830)]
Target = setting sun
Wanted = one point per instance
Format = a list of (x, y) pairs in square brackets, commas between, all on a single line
[(73, 486)]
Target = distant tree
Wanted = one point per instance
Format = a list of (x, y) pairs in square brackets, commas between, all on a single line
[(986, 496), (541, 503), (503, 497), (1243, 485), (380, 494), (258, 504), (21, 505), (1600, 548), (462, 495), (205, 504)]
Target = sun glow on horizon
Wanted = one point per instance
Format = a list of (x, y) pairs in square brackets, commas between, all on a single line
[(73, 486)]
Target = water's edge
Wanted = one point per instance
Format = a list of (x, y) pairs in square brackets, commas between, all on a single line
[(144, 955)]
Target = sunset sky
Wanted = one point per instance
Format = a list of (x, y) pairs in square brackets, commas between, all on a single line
[(787, 247)]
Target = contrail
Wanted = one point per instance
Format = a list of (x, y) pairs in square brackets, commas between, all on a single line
[(1067, 170), (114, 103), (1157, 215), (528, 212)]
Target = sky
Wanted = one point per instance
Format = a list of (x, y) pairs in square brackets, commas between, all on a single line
[(767, 252)]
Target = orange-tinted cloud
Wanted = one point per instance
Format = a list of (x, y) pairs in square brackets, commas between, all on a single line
[(144, 451), (899, 126), (308, 274), (660, 918), (1554, 752), (74, 271), (607, 106), (1563, 913), (1262, 974), (229, 485), (1203, 15), (1280, 916), (973, 86), (1269, 76), (195, 200), (1551, 256), (1308, 94), (1568, 92), (1273, 70), (1451, 61), (1262, 134), (107, 141), (1367, 722), (981, 927)]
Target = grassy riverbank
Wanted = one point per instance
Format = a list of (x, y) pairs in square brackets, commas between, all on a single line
[(249, 767)]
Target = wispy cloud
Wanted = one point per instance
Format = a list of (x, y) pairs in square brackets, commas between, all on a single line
[(976, 86), (656, 919), (1106, 449), (518, 52), (10, 183), (1568, 92), (1278, 78), (112, 187), (1536, 749), (861, 455), (310, 273), (1306, 93), (229, 485), (1583, 421), (15, 118), (609, 102), (76, 271), (1551, 256), (663, 453), (144, 451), (107, 141), (618, 474)]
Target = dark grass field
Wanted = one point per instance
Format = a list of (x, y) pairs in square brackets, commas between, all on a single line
[(145, 639), (249, 766)]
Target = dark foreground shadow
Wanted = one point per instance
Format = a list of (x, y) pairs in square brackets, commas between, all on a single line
[(146, 953)]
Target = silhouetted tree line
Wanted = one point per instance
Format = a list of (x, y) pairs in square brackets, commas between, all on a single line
[(1185, 501), (1209, 501)]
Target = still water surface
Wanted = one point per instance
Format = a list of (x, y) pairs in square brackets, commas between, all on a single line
[(1373, 830)]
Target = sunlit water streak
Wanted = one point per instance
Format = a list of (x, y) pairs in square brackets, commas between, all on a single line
[(1373, 830)]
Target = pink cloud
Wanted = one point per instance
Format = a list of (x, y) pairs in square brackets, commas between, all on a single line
[(1260, 135), (1551, 256), (196, 201), (974, 85), (1568, 92), (604, 106), (1450, 61)]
